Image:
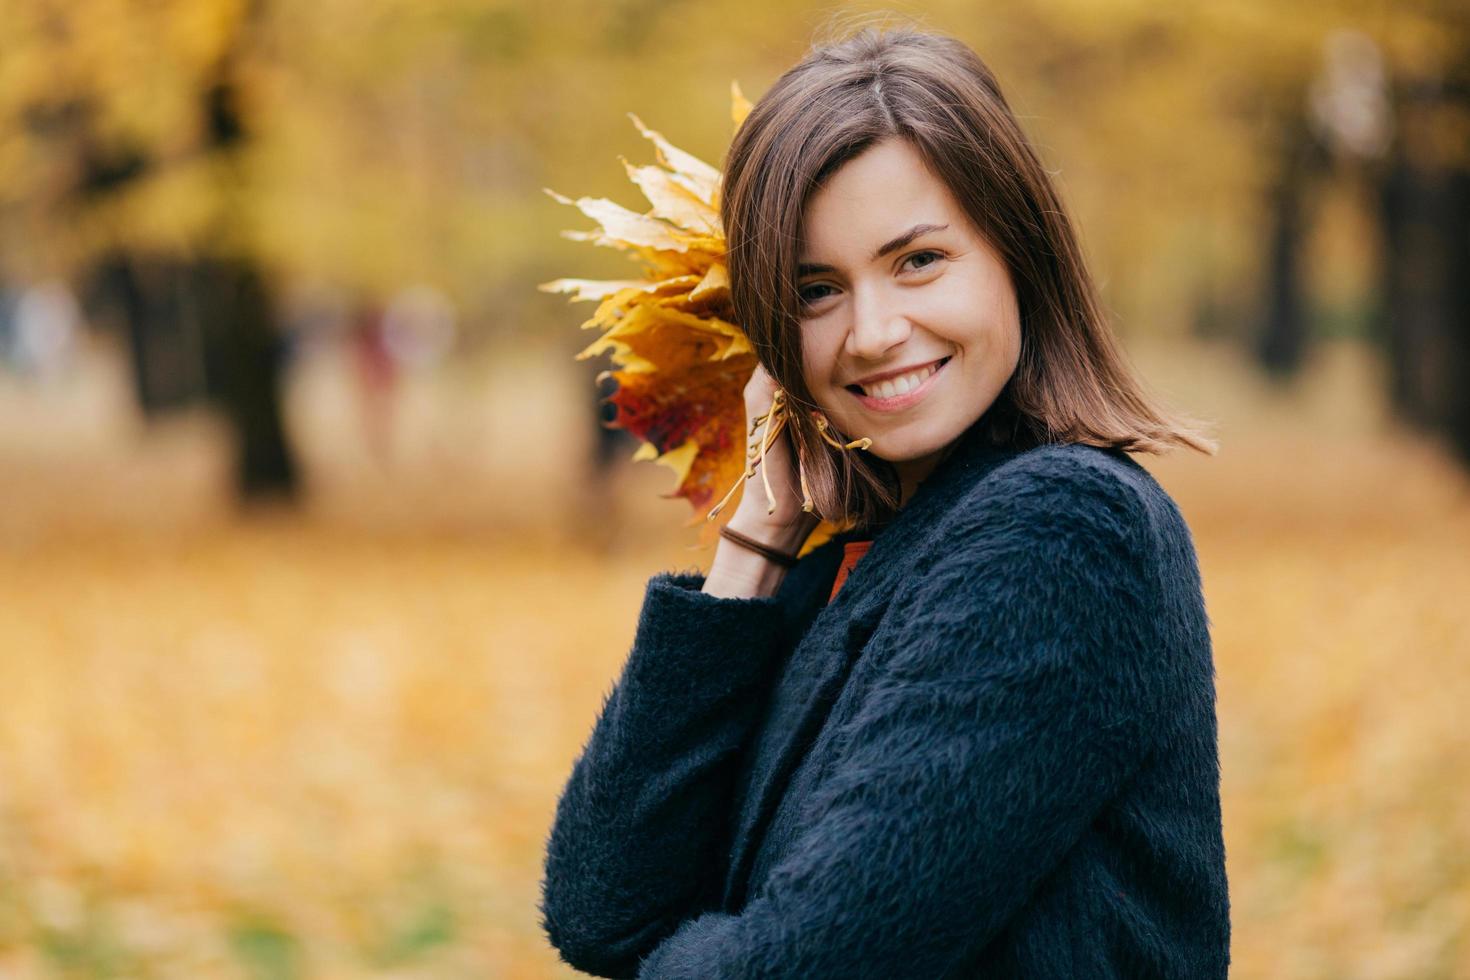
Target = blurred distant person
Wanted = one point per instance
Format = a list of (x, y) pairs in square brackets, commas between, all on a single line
[(377, 376), (596, 515), (414, 332), (418, 326), (44, 328), (9, 299)]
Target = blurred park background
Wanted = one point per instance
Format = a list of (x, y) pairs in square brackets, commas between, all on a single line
[(316, 561)]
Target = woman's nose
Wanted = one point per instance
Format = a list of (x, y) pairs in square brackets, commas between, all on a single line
[(876, 329)]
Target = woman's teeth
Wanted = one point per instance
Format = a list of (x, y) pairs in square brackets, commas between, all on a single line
[(901, 385)]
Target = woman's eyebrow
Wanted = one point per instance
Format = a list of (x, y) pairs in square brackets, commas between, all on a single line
[(887, 247)]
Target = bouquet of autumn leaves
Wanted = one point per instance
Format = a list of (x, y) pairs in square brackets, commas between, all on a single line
[(681, 365)]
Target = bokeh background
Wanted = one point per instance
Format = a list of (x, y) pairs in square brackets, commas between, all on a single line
[(316, 561)]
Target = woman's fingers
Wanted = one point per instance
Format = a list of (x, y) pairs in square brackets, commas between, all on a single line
[(778, 498)]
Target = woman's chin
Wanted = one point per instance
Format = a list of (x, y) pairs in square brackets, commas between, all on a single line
[(901, 454), (896, 444)]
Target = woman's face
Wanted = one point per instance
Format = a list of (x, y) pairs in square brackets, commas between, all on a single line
[(909, 326)]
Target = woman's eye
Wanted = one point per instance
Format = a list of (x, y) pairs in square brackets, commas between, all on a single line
[(808, 297), (932, 256)]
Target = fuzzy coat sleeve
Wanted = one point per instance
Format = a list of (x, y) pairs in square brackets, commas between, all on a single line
[(1015, 686), (638, 841)]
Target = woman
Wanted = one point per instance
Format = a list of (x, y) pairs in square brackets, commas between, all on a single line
[(988, 747)]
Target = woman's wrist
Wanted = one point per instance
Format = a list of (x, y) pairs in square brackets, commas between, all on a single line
[(782, 558), (738, 572), (785, 536)]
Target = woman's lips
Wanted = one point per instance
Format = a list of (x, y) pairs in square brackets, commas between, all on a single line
[(900, 402)]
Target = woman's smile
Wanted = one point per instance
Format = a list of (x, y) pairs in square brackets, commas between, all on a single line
[(897, 394)]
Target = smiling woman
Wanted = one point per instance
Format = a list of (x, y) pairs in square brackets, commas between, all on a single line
[(973, 734)]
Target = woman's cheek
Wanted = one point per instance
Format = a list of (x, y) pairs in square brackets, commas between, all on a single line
[(816, 366)]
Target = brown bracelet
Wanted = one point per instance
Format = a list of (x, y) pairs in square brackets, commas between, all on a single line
[(779, 557)]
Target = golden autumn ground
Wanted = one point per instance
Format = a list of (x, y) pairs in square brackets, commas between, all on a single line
[(329, 745)]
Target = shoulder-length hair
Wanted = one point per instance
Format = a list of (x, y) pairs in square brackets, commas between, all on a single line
[(1072, 382)]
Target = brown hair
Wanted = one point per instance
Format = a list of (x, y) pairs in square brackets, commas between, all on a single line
[(1072, 382)]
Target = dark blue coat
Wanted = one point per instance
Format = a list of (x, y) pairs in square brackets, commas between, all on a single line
[(993, 754)]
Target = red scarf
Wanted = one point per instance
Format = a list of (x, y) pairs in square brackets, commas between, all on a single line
[(852, 551)]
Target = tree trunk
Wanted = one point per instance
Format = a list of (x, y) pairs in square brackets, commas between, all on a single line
[(1425, 214), (1282, 342), (246, 375)]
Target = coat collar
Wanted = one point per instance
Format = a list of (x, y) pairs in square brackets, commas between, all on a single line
[(969, 459)]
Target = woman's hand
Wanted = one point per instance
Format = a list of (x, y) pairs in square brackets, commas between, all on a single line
[(738, 571), (787, 526)]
